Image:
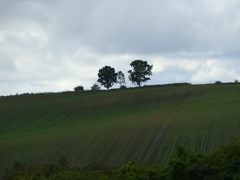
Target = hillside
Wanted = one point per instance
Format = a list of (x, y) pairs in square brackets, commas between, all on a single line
[(145, 124)]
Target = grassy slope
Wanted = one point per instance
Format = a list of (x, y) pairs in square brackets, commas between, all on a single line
[(145, 124)]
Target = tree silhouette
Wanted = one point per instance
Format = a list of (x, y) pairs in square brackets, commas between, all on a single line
[(121, 78), (141, 69), (107, 76)]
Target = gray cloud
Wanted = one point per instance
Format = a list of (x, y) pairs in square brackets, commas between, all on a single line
[(56, 45), (157, 27)]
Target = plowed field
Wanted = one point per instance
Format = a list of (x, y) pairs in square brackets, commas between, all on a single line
[(145, 124)]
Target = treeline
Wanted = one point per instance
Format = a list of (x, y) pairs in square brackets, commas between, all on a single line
[(221, 164)]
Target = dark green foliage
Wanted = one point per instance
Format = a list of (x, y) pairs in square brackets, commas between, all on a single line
[(99, 167), (123, 87), (62, 162), (121, 78), (222, 164), (141, 71), (107, 76), (134, 170), (184, 164), (78, 175), (78, 89), (95, 87), (218, 82), (19, 169)]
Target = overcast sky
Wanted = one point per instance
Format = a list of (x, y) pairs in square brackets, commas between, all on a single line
[(55, 45)]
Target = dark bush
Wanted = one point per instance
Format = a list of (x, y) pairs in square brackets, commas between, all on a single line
[(218, 82), (123, 87), (78, 89), (95, 87)]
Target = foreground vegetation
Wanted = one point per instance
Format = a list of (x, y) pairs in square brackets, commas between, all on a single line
[(221, 164), (115, 126)]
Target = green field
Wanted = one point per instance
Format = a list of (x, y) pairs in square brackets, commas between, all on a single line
[(145, 124)]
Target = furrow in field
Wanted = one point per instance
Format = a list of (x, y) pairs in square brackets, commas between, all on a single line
[(227, 130), (157, 133), (233, 120), (154, 145), (97, 143), (195, 128), (199, 130), (115, 126), (133, 145), (189, 122), (216, 130), (216, 127), (238, 125), (209, 128), (170, 140)]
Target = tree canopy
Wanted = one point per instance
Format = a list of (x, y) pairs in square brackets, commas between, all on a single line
[(95, 87), (121, 78), (78, 89), (107, 76), (141, 71)]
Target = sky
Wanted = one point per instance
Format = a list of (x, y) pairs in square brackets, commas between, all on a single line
[(56, 45)]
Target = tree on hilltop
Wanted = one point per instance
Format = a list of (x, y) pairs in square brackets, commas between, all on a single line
[(78, 89), (107, 76), (141, 71), (121, 78), (95, 87)]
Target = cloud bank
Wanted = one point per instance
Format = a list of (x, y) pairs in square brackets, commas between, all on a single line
[(57, 45)]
